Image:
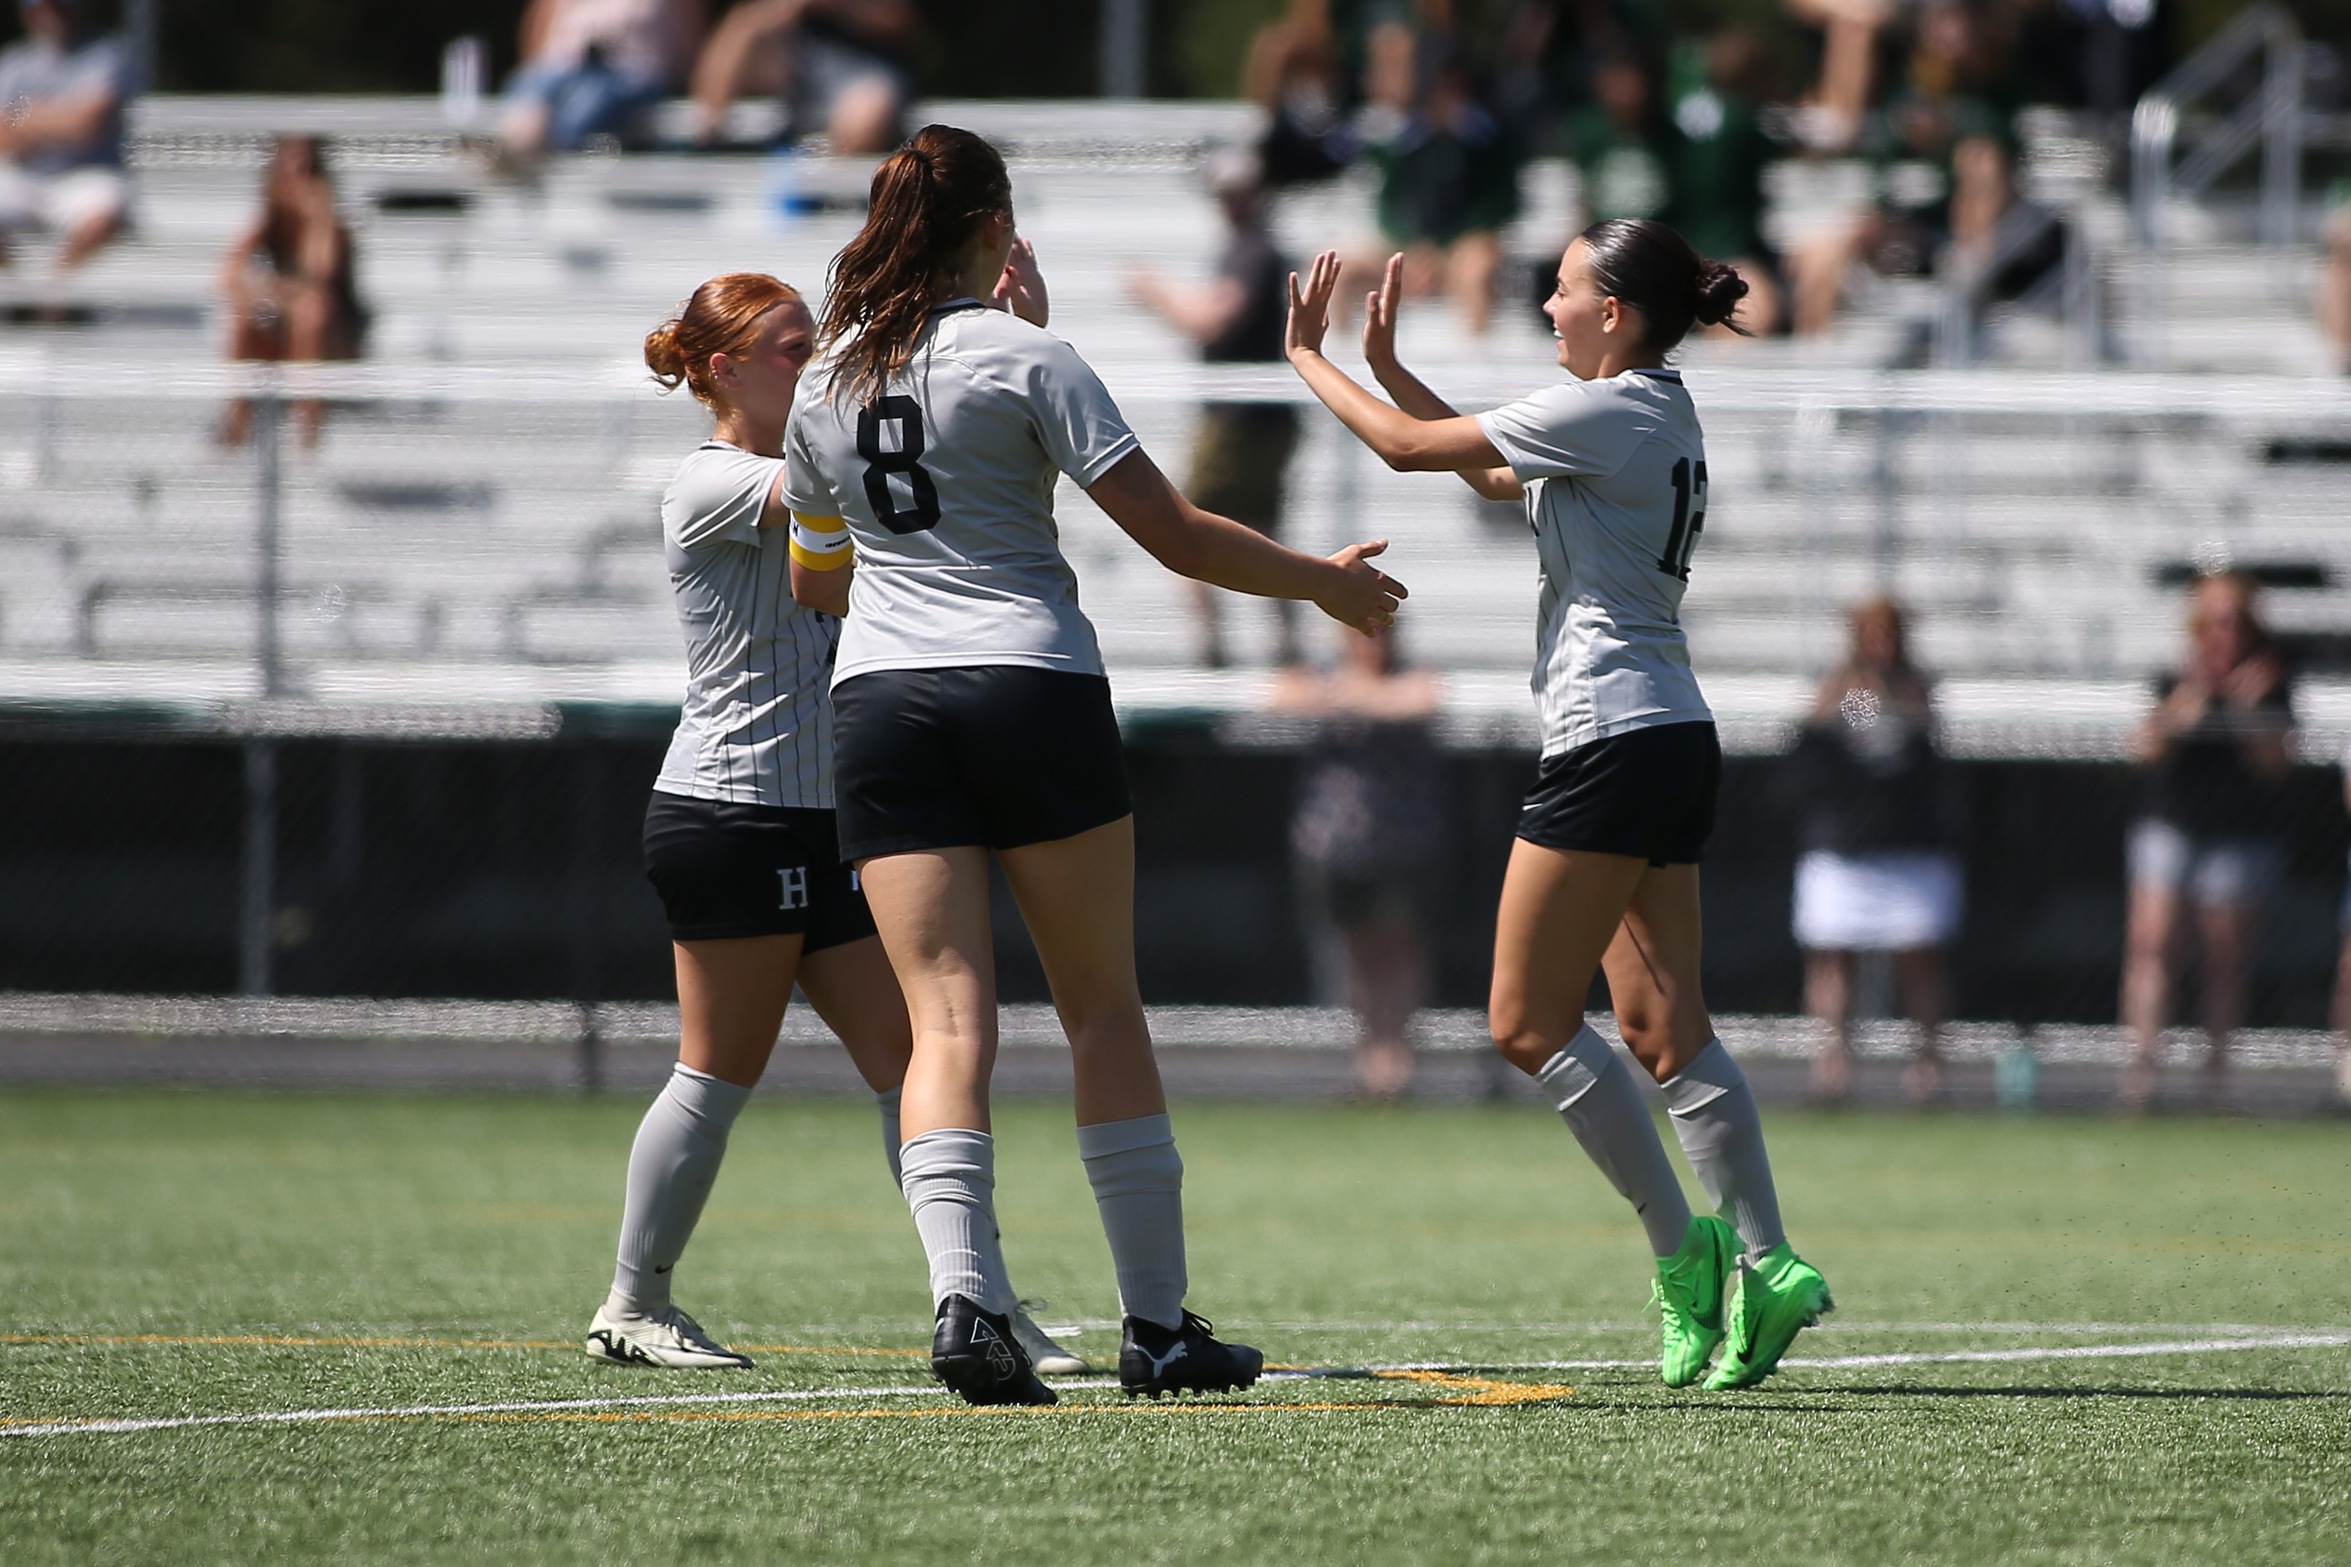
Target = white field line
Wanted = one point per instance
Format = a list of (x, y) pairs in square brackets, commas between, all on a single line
[(520, 1407), (1838, 1324), (102, 1427)]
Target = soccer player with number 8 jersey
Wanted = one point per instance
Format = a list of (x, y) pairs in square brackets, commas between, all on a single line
[(1604, 873), (972, 717)]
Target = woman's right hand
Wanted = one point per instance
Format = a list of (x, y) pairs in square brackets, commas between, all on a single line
[(1379, 317), (1361, 596), (1310, 307)]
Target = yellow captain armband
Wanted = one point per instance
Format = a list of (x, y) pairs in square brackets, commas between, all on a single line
[(820, 543)]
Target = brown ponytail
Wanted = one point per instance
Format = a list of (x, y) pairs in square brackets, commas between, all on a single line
[(928, 199), (722, 318)]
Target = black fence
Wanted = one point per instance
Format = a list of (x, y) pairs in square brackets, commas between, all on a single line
[(153, 861)]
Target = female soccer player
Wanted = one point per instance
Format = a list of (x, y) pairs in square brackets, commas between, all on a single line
[(972, 715), (1605, 870), (739, 836)]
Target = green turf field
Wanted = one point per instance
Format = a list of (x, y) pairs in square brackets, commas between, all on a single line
[(190, 1255)]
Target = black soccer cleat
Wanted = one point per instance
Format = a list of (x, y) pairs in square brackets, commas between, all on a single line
[(974, 1353), (1154, 1360)]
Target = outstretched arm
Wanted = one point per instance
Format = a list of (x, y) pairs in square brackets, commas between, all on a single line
[(1219, 551), (1405, 443), (1409, 392)]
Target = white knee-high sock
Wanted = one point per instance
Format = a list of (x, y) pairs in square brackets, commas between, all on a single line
[(1721, 1131), (888, 1103), (949, 1177), (671, 1167), (1138, 1181), (1603, 1106)]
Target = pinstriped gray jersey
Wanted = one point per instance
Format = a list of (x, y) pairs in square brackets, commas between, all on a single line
[(757, 726), (1615, 475)]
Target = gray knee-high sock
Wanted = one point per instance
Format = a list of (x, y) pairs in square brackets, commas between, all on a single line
[(1721, 1131), (888, 1103), (949, 1177), (671, 1167), (1138, 1182), (1603, 1106)]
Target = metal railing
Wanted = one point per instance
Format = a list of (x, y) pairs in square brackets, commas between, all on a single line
[(2271, 116)]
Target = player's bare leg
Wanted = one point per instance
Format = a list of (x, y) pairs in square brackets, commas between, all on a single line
[(2150, 959), (2225, 935), (1923, 981), (1828, 999), (1653, 975), (1078, 896), (931, 907), (731, 1000)]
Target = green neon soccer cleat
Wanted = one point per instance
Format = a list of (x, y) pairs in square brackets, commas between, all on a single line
[(1689, 1295), (1772, 1300)]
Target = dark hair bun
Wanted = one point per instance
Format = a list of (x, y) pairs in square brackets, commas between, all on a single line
[(1720, 288)]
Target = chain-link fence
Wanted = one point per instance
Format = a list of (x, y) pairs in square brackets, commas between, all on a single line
[(375, 714)]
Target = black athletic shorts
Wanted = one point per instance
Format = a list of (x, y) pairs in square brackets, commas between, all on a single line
[(751, 870), (1649, 793), (999, 755)]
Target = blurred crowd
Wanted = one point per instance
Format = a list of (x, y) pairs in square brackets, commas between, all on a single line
[(1683, 125), (1665, 115), (1880, 875)]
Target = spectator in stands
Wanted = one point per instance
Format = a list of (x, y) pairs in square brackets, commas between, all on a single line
[(2205, 848), (1549, 53), (1242, 454), (1715, 104), (1368, 837), (1448, 173), (1878, 874), (1946, 171), (63, 91), (1850, 41), (2334, 284), (290, 280), (594, 68), (1696, 163), (2099, 55), (841, 66), (1295, 74)]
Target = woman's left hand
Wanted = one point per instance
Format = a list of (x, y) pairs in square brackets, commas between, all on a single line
[(1310, 309), (1021, 289)]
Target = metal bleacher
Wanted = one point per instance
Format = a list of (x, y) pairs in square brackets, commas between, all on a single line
[(475, 532)]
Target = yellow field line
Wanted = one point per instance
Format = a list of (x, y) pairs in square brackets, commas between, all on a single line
[(620, 1417)]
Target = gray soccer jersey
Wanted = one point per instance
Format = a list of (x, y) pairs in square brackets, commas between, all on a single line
[(1615, 474), (946, 483), (757, 727)]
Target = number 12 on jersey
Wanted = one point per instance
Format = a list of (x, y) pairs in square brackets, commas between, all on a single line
[(1689, 519)]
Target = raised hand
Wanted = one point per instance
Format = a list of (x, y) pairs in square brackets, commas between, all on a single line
[(1363, 596), (1310, 309), (1379, 315), (1021, 289)]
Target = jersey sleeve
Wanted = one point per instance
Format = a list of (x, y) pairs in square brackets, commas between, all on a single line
[(806, 489), (719, 497), (1076, 420), (1563, 431)]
